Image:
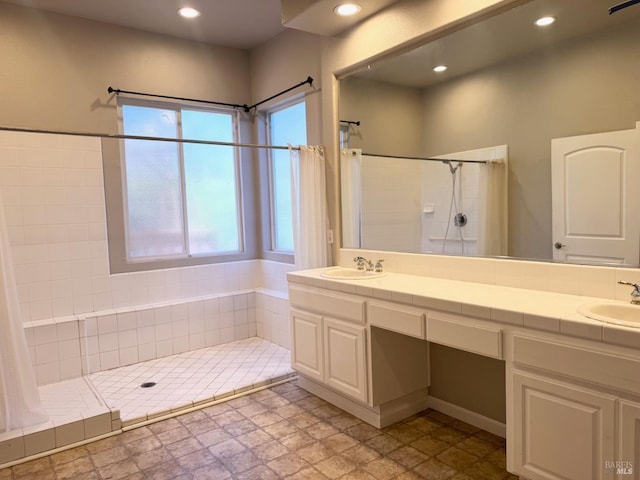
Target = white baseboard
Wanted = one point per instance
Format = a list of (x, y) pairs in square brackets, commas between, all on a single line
[(396, 410), (472, 418), (378, 416)]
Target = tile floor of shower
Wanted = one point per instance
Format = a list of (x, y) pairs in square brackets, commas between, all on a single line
[(111, 400)]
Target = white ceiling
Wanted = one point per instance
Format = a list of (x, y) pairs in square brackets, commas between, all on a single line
[(234, 23), (498, 39)]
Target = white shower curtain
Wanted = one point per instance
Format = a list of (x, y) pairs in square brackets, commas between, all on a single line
[(309, 205), (351, 196), (492, 208), (20, 404)]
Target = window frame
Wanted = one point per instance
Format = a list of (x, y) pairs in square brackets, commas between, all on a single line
[(115, 196), (269, 241)]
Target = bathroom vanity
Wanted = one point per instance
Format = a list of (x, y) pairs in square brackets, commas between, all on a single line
[(572, 383)]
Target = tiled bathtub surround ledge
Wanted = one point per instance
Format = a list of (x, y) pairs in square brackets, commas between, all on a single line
[(76, 413), (68, 347)]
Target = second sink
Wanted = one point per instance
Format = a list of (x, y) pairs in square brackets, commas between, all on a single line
[(617, 313)]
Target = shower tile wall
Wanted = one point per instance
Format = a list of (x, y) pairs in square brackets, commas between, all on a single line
[(53, 195), (99, 341), (390, 204)]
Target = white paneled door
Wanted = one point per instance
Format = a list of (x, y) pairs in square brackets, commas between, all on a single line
[(596, 198)]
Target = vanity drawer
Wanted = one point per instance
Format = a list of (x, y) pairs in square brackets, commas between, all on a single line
[(333, 304), (578, 361), (464, 334), (397, 318)]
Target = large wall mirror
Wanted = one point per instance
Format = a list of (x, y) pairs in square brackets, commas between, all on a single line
[(555, 107)]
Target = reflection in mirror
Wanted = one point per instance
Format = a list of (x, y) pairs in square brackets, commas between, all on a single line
[(454, 204), (510, 83)]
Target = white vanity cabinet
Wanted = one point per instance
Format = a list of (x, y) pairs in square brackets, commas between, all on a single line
[(307, 347), (367, 357), (564, 431), (329, 339), (629, 441), (345, 358), (572, 415)]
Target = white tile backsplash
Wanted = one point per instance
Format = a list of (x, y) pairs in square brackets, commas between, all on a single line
[(592, 281)]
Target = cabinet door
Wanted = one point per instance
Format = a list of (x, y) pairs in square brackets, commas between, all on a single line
[(345, 358), (561, 431), (628, 466), (306, 345)]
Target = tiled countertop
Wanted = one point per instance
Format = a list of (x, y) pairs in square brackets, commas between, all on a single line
[(546, 311)]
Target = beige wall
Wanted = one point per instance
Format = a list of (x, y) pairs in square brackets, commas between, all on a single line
[(391, 117), (56, 70)]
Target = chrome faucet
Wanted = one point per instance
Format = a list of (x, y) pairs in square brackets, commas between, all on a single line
[(378, 267), (635, 293), (363, 264)]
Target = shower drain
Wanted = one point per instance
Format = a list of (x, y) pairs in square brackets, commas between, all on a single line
[(148, 384)]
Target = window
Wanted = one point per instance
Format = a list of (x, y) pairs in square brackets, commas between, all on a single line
[(180, 200), (286, 126)]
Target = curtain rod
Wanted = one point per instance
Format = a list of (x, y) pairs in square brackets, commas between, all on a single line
[(245, 107), (617, 8), (118, 91), (431, 159), (141, 137)]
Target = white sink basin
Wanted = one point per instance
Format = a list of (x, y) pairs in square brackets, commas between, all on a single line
[(341, 273), (625, 314)]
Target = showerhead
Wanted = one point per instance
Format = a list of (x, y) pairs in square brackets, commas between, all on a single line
[(452, 169)]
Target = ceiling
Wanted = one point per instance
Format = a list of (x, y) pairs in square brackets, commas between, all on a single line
[(497, 39), (241, 24)]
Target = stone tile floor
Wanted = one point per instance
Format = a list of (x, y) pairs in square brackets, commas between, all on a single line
[(281, 432)]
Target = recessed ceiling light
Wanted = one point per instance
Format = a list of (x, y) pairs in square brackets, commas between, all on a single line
[(544, 21), (347, 9), (188, 12), (439, 68)]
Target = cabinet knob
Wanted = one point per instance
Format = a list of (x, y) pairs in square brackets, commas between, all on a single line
[(558, 245)]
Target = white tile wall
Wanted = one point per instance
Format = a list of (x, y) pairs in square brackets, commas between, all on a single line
[(272, 317), (77, 345), (53, 196), (54, 202)]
